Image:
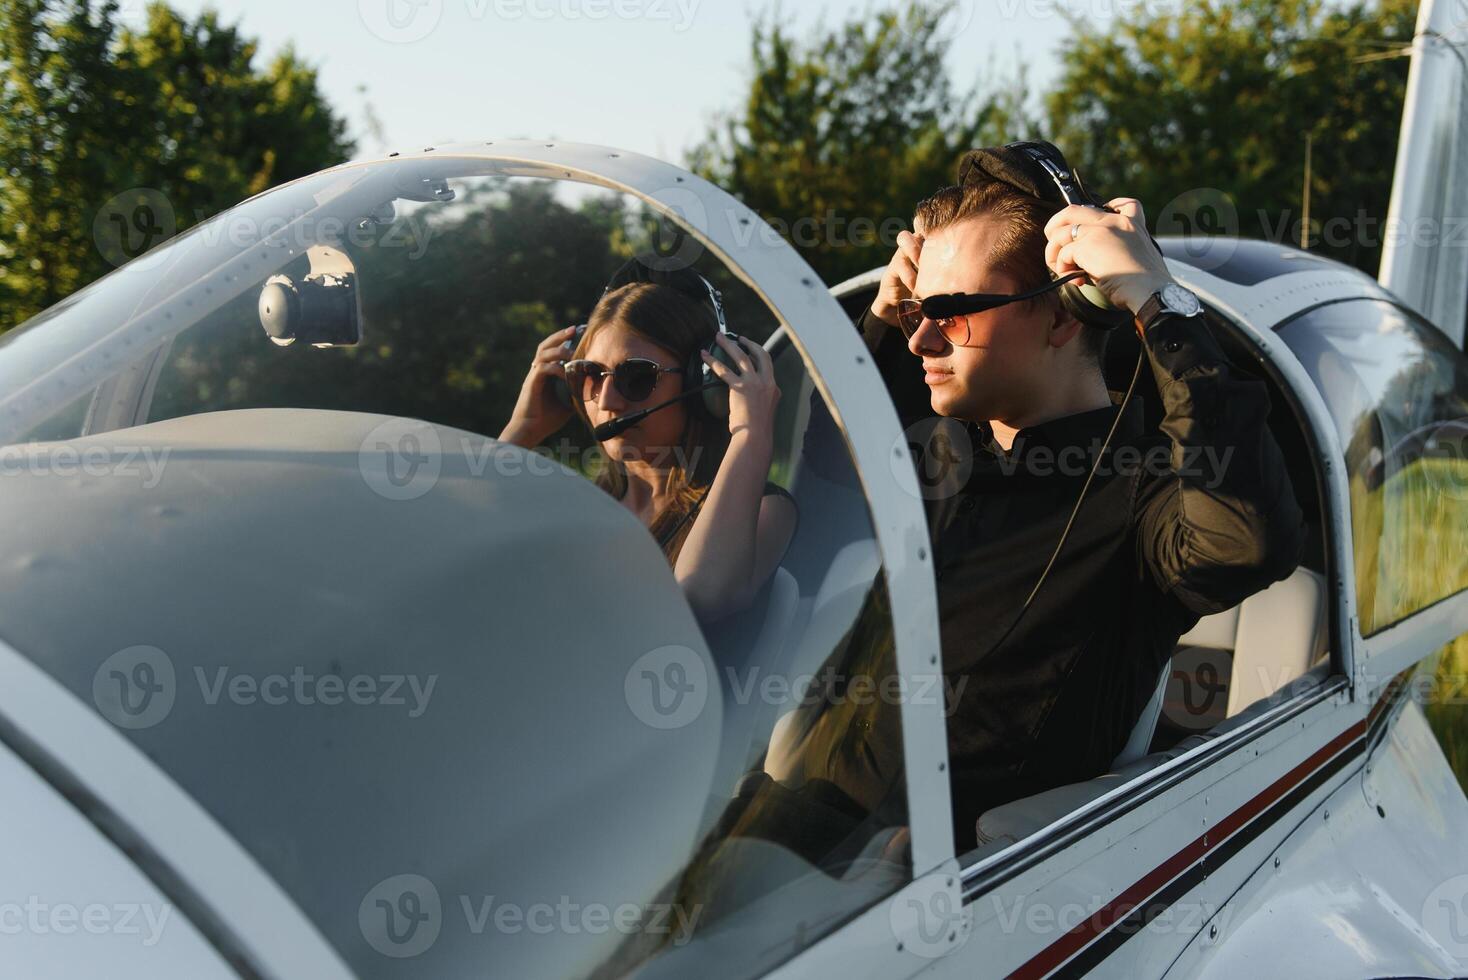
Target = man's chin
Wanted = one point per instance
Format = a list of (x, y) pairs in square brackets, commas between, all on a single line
[(949, 404)]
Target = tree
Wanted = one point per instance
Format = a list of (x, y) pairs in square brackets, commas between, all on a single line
[(431, 348), (56, 75), (843, 133), (1222, 94), (89, 110)]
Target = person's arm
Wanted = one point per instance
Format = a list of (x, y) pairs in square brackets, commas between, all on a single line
[(740, 534), (1224, 523)]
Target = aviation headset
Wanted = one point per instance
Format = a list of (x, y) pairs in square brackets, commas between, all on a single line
[(698, 376), (1038, 168)]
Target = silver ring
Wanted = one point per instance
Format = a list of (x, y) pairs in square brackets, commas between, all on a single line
[(1075, 232)]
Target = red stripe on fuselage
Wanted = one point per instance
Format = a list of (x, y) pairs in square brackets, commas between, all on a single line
[(1055, 955)]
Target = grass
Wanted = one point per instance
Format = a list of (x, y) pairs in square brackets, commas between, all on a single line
[(1448, 715), (1411, 539)]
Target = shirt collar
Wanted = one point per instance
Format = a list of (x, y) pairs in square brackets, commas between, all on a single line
[(1080, 429)]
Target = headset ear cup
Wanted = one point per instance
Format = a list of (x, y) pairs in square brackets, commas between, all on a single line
[(1078, 306), (561, 392), (713, 402), (716, 403), (1074, 303)]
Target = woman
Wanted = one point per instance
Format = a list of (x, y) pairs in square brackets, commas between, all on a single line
[(697, 483)]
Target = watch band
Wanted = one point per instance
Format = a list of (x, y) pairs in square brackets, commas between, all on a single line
[(1150, 310), (1158, 306)]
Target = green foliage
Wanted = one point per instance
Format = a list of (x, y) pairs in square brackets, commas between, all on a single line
[(1222, 94), (89, 109), (56, 74), (843, 132), (1410, 538), (455, 297), (1447, 712)]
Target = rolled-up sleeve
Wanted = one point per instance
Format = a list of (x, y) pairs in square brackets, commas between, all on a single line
[(1224, 523)]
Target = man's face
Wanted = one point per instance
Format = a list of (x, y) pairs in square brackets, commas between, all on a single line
[(1009, 352)]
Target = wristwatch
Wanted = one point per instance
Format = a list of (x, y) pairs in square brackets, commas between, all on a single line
[(1171, 299)]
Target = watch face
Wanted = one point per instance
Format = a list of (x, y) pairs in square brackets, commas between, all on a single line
[(1180, 300)]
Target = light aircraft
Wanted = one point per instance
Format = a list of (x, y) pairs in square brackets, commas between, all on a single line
[(304, 674)]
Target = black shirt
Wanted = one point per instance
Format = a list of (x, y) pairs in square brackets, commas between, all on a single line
[(1179, 522)]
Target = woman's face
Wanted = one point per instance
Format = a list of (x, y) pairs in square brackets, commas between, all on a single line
[(657, 438)]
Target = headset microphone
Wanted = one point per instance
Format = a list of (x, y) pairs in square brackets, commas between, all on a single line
[(621, 424)]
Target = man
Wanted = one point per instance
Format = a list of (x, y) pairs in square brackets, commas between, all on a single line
[(1176, 524)]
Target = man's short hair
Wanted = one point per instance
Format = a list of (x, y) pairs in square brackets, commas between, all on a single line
[(1020, 248)]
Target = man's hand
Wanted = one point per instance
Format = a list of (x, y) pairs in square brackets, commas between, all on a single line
[(899, 279), (1114, 250)]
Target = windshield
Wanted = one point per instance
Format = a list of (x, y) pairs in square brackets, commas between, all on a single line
[(293, 512), (1398, 392)]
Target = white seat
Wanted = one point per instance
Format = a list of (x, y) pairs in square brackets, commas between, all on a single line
[(1281, 635), (1273, 637)]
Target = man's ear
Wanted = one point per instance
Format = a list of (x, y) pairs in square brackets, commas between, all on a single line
[(1064, 328)]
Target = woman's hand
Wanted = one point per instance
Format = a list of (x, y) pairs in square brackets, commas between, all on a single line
[(539, 414), (753, 393), (739, 535)]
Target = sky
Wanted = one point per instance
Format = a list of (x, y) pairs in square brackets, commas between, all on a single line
[(643, 75)]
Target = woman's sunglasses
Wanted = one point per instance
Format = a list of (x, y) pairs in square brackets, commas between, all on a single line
[(950, 311), (634, 379)]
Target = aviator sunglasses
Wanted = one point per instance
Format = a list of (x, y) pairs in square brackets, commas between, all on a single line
[(634, 379), (950, 311)]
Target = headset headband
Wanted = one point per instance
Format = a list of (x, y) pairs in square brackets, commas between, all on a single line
[(1035, 167), (686, 280)]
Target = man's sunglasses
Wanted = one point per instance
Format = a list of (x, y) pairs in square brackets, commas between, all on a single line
[(634, 379), (950, 311)]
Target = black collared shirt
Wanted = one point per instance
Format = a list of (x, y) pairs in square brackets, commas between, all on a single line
[(1179, 522)]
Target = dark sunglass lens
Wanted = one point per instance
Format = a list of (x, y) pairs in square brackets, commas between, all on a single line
[(584, 377), (636, 379)]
